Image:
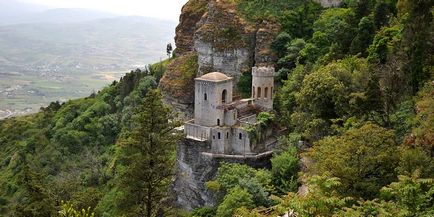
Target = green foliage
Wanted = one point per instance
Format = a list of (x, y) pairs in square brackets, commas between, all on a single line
[(333, 34), (255, 10), (384, 44), (280, 42), (298, 22), (67, 210), (258, 183), (322, 199), (204, 212), (363, 163), (364, 37), (292, 55), (236, 198), (284, 170), (145, 159), (70, 146), (35, 200), (157, 69), (326, 95), (244, 85), (411, 195)]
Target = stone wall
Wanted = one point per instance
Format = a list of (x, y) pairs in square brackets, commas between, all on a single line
[(194, 168), (197, 132)]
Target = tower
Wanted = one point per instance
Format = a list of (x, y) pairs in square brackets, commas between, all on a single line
[(263, 86), (212, 91)]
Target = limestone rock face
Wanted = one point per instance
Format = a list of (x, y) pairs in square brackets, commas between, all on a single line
[(224, 41), (265, 35), (329, 3), (194, 169), (191, 14)]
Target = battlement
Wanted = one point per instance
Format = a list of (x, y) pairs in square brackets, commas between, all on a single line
[(263, 71)]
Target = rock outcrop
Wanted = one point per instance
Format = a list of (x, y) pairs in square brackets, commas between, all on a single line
[(265, 35), (329, 3), (195, 168), (177, 85), (191, 14), (224, 41)]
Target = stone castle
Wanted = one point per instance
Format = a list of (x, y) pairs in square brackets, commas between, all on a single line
[(221, 121)]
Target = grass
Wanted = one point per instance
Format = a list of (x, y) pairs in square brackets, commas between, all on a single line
[(47, 91)]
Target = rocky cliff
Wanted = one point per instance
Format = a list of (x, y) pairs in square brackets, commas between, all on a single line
[(329, 3), (222, 40), (195, 168)]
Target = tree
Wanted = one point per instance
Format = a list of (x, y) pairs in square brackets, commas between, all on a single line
[(237, 198), (67, 210), (258, 183), (417, 40), (365, 34), (362, 163), (169, 49), (146, 155), (285, 169), (35, 200)]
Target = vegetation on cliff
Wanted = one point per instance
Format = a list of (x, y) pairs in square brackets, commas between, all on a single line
[(77, 151), (355, 91)]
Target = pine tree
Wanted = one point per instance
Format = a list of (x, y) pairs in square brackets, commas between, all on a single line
[(147, 158), (35, 200)]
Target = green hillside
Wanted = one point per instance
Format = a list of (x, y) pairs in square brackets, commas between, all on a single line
[(354, 90)]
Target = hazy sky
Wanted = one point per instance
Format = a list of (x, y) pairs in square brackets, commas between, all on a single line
[(167, 9)]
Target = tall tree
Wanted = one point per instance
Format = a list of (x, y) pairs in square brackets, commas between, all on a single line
[(35, 200), (146, 155), (418, 39)]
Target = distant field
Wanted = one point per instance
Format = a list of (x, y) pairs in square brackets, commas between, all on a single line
[(26, 94), (45, 62)]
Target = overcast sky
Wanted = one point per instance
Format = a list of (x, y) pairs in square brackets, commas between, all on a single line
[(166, 9)]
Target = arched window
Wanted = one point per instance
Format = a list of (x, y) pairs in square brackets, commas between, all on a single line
[(224, 95), (227, 135), (218, 122), (259, 92), (205, 97), (219, 136), (240, 136), (266, 93)]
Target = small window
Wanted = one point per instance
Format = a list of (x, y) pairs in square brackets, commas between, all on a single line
[(218, 122), (219, 135), (213, 137), (227, 135), (266, 93), (240, 136), (259, 92), (224, 95), (205, 97)]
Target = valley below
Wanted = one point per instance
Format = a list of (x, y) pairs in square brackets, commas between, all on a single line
[(46, 62)]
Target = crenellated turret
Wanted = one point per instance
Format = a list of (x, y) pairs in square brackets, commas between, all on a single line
[(263, 86)]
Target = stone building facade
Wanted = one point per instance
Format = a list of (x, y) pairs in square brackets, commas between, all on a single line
[(221, 121)]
